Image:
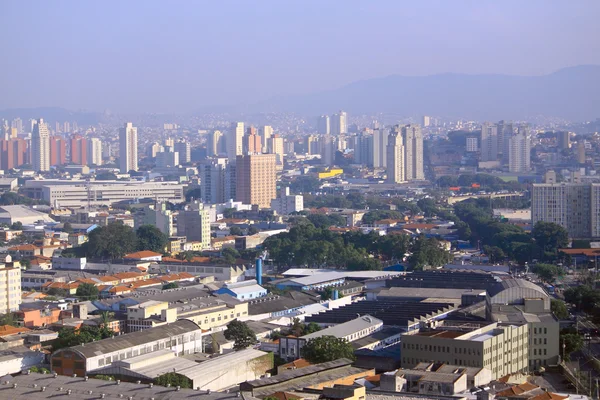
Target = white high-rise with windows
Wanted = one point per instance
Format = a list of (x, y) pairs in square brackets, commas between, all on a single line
[(380, 143), (40, 146), (265, 133), (235, 141), (323, 126), (413, 152), (395, 158), (128, 152), (489, 142), (519, 151), (94, 151), (216, 144), (10, 289), (339, 123)]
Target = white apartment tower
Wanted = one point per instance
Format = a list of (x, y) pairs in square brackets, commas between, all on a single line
[(519, 152), (395, 158), (380, 143), (489, 142), (10, 289), (216, 144), (94, 151), (40, 146), (128, 152), (265, 133), (413, 152), (339, 123), (323, 126), (194, 224), (235, 140)]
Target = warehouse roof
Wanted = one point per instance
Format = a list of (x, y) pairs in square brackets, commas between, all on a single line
[(128, 340), (506, 284), (347, 328)]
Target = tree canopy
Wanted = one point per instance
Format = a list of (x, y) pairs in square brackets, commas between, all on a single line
[(112, 241), (327, 348), (149, 237), (241, 334), (68, 337), (174, 379), (87, 291), (559, 309)]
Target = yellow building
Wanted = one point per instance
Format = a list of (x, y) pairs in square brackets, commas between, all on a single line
[(331, 173), (10, 289)]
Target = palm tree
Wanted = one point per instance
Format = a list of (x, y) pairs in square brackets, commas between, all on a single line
[(106, 318)]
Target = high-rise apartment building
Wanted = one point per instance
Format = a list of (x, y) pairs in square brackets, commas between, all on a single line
[(17, 123), (505, 132), (184, 150), (413, 152), (395, 158), (78, 150), (252, 142), (472, 146), (286, 203), (581, 151), (363, 148), (13, 153), (312, 144), (216, 144), (256, 179), (574, 206), (328, 148), (489, 142), (167, 158), (58, 150), (194, 223), (94, 151), (10, 289), (563, 140), (128, 151), (339, 123), (156, 215), (40, 147), (426, 121), (217, 180), (235, 141), (265, 132), (323, 125), (276, 147), (519, 152), (66, 127)]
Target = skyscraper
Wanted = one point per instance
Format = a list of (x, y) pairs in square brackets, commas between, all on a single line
[(217, 180), (276, 147), (256, 179), (413, 152), (426, 121), (194, 223), (184, 149), (363, 148), (519, 152), (312, 144), (323, 126), (18, 124), (339, 123), (167, 158), (505, 131), (489, 142), (58, 151), (94, 151), (380, 142), (79, 150), (395, 158), (265, 132), (581, 151), (327, 148), (252, 142), (13, 153), (216, 144), (128, 153), (235, 141), (563, 140), (40, 147)]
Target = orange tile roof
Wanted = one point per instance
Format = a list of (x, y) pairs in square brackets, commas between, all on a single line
[(127, 275), (585, 252), (23, 247), (420, 226), (299, 363), (285, 396), (548, 396), (142, 254), (517, 390), (196, 259), (6, 330)]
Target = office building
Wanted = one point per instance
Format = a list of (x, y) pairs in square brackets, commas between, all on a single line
[(13, 153), (505, 131), (156, 215), (235, 141), (17, 123), (472, 146), (265, 132), (194, 223), (426, 121), (501, 348), (581, 151), (395, 158), (363, 148), (323, 125), (252, 141), (380, 143), (128, 152), (286, 203), (218, 186), (312, 144), (40, 146), (563, 140), (519, 152), (276, 147), (167, 158), (489, 142), (574, 206), (339, 123), (169, 142), (78, 146), (256, 179), (184, 151), (94, 151), (413, 152), (327, 145), (10, 289), (79, 193), (216, 144)]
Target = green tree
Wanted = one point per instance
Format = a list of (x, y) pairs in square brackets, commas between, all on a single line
[(305, 184), (559, 309), (17, 226), (495, 254), (149, 237), (427, 252), (87, 291), (8, 319), (195, 193), (106, 176), (252, 230), (236, 231), (67, 227), (228, 212), (550, 236), (68, 337), (241, 334), (230, 255), (327, 348), (572, 342), (548, 272), (112, 241), (174, 379), (170, 285), (106, 318)]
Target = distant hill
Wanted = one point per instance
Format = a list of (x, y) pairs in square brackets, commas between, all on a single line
[(52, 114), (572, 93)]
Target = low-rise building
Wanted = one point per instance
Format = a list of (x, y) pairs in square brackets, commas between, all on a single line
[(245, 290)]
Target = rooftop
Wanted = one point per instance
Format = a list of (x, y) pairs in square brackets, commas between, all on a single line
[(347, 328)]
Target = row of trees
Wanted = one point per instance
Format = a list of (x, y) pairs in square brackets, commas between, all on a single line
[(308, 245)]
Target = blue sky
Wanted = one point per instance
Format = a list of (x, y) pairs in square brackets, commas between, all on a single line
[(176, 56)]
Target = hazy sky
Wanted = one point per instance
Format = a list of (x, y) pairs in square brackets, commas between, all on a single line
[(176, 56)]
